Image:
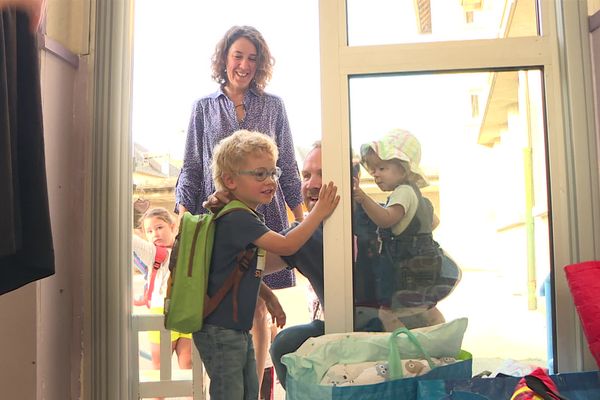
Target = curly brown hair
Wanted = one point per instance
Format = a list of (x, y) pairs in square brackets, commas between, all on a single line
[(264, 60)]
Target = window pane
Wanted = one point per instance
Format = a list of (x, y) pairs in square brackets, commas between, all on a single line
[(379, 22), (484, 157)]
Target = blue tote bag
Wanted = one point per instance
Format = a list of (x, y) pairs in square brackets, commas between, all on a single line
[(573, 386), (397, 387)]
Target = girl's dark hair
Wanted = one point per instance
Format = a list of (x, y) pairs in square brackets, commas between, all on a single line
[(264, 60)]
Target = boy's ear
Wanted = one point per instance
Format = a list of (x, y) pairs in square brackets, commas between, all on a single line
[(229, 181)]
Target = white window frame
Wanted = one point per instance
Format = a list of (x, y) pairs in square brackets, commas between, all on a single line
[(111, 215), (572, 157), (572, 161)]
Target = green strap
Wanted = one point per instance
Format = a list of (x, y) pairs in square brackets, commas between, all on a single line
[(394, 360), (233, 205)]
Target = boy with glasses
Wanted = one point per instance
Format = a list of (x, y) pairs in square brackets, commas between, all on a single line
[(244, 165)]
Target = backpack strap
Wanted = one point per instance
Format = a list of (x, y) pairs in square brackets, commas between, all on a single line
[(193, 252), (397, 247), (234, 205), (159, 257), (232, 282)]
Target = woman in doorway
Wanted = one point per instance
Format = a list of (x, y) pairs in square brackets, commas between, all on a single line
[(242, 66)]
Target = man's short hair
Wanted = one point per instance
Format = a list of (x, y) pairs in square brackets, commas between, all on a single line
[(315, 146), (233, 151)]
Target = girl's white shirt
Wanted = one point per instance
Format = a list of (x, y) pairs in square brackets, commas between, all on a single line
[(405, 196), (146, 251)]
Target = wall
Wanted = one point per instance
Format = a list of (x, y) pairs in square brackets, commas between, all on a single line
[(60, 321), (43, 330), (593, 6), (594, 29), (595, 49), (68, 22), (18, 342)]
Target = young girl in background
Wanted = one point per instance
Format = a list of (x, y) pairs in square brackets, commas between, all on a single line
[(408, 274), (160, 230)]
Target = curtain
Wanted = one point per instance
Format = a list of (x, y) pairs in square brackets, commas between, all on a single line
[(26, 250)]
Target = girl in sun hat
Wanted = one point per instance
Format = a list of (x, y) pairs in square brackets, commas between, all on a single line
[(408, 272), (393, 161)]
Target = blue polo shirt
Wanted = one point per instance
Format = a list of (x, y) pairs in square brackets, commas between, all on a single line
[(234, 233)]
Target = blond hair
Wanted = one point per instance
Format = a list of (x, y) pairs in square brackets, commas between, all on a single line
[(231, 153)]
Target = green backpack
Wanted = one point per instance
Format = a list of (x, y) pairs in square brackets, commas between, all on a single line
[(187, 302)]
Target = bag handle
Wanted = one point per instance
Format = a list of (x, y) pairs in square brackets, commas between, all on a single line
[(394, 360)]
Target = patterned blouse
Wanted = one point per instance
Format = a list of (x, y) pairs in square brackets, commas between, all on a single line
[(214, 118)]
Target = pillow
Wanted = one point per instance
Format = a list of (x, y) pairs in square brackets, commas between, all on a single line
[(314, 358)]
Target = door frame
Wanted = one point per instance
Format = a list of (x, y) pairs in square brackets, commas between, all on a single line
[(572, 157)]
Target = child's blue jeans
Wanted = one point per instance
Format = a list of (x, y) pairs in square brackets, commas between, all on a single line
[(228, 356)]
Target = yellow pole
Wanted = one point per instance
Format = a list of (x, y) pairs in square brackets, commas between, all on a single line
[(530, 228)]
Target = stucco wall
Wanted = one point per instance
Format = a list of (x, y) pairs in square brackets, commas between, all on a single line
[(595, 48), (41, 332), (44, 332), (18, 362), (62, 296)]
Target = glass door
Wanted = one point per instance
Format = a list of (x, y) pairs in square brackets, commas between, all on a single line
[(481, 87), (478, 140)]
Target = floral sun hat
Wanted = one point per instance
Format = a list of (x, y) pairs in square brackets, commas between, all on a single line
[(399, 144)]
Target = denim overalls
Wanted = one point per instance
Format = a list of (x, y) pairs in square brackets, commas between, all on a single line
[(410, 263)]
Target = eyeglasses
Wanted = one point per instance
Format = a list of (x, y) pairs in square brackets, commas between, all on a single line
[(260, 174)]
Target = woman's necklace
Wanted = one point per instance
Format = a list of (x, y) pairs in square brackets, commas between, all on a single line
[(240, 108), (240, 112)]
